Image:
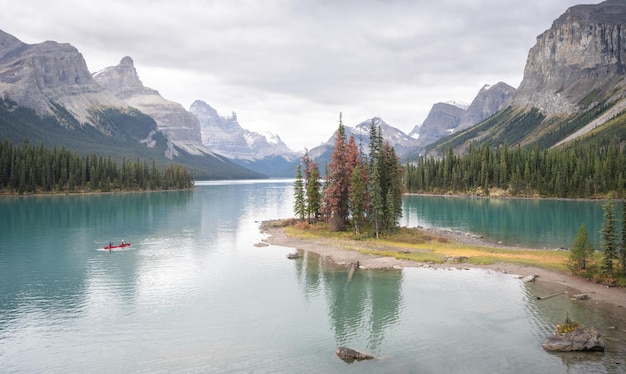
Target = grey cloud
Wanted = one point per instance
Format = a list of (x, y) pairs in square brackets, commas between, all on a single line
[(324, 54)]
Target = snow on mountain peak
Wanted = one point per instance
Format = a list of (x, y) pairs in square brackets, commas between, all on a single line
[(458, 104)]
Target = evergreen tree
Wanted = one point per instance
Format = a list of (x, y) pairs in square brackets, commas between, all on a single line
[(298, 190), (314, 196), (357, 199), (582, 250), (622, 251), (394, 191), (377, 207), (336, 195), (609, 238), (312, 185)]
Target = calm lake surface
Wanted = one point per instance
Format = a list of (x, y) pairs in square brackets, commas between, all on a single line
[(194, 294)]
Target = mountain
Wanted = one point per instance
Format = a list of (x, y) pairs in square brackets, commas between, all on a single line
[(573, 86), (442, 120), (48, 95), (40, 75), (266, 154), (447, 118), (401, 142), (487, 102), (180, 126)]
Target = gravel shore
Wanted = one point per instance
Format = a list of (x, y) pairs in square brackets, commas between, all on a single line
[(327, 248)]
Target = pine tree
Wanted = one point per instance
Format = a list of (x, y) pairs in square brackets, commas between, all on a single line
[(377, 207), (336, 194), (622, 251), (581, 250), (313, 194), (609, 238), (394, 191), (357, 198), (299, 205)]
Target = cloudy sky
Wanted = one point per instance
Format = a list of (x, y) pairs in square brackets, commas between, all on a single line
[(291, 66)]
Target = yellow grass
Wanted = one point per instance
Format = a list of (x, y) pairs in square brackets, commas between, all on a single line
[(416, 245)]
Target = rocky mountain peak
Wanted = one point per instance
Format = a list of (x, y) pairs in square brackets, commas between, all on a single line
[(447, 118), (8, 44), (582, 53), (225, 136), (442, 120), (488, 101), (179, 125), (37, 75), (122, 80), (609, 12)]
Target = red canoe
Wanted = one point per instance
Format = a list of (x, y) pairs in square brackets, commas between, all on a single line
[(109, 247)]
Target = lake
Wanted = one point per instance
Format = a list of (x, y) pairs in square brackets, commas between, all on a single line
[(194, 294)]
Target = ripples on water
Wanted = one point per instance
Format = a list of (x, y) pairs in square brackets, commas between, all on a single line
[(193, 294)]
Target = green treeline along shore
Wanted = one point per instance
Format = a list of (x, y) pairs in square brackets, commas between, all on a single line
[(591, 170), (31, 169)]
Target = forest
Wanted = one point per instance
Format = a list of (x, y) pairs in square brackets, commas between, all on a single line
[(577, 171), (31, 169)]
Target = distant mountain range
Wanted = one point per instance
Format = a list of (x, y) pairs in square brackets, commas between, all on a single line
[(573, 88), (49, 96), (264, 153)]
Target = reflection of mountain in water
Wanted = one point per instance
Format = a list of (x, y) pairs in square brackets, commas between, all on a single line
[(361, 307)]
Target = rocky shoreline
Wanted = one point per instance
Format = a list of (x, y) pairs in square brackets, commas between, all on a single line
[(614, 296)]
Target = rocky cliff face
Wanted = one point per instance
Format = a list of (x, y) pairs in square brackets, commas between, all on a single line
[(224, 135), (579, 59), (180, 126), (488, 101), (35, 75), (442, 120), (447, 118)]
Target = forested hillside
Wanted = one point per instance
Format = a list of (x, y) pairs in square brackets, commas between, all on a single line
[(580, 170), (29, 169)]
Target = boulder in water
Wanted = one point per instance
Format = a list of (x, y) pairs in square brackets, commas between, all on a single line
[(350, 355), (581, 338)]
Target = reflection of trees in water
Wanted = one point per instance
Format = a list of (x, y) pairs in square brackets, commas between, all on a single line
[(386, 303), (364, 305)]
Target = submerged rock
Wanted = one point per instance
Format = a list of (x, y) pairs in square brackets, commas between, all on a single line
[(582, 338), (293, 256), (350, 355)]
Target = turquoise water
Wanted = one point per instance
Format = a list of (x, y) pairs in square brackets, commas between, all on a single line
[(194, 294), (531, 223)]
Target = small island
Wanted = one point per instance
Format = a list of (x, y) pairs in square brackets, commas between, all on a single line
[(572, 336)]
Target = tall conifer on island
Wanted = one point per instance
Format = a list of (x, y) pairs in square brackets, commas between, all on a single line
[(338, 178), (358, 198), (299, 205), (312, 185), (314, 196), (377, 205), (608, 238), (386, 186), (394, 189)]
